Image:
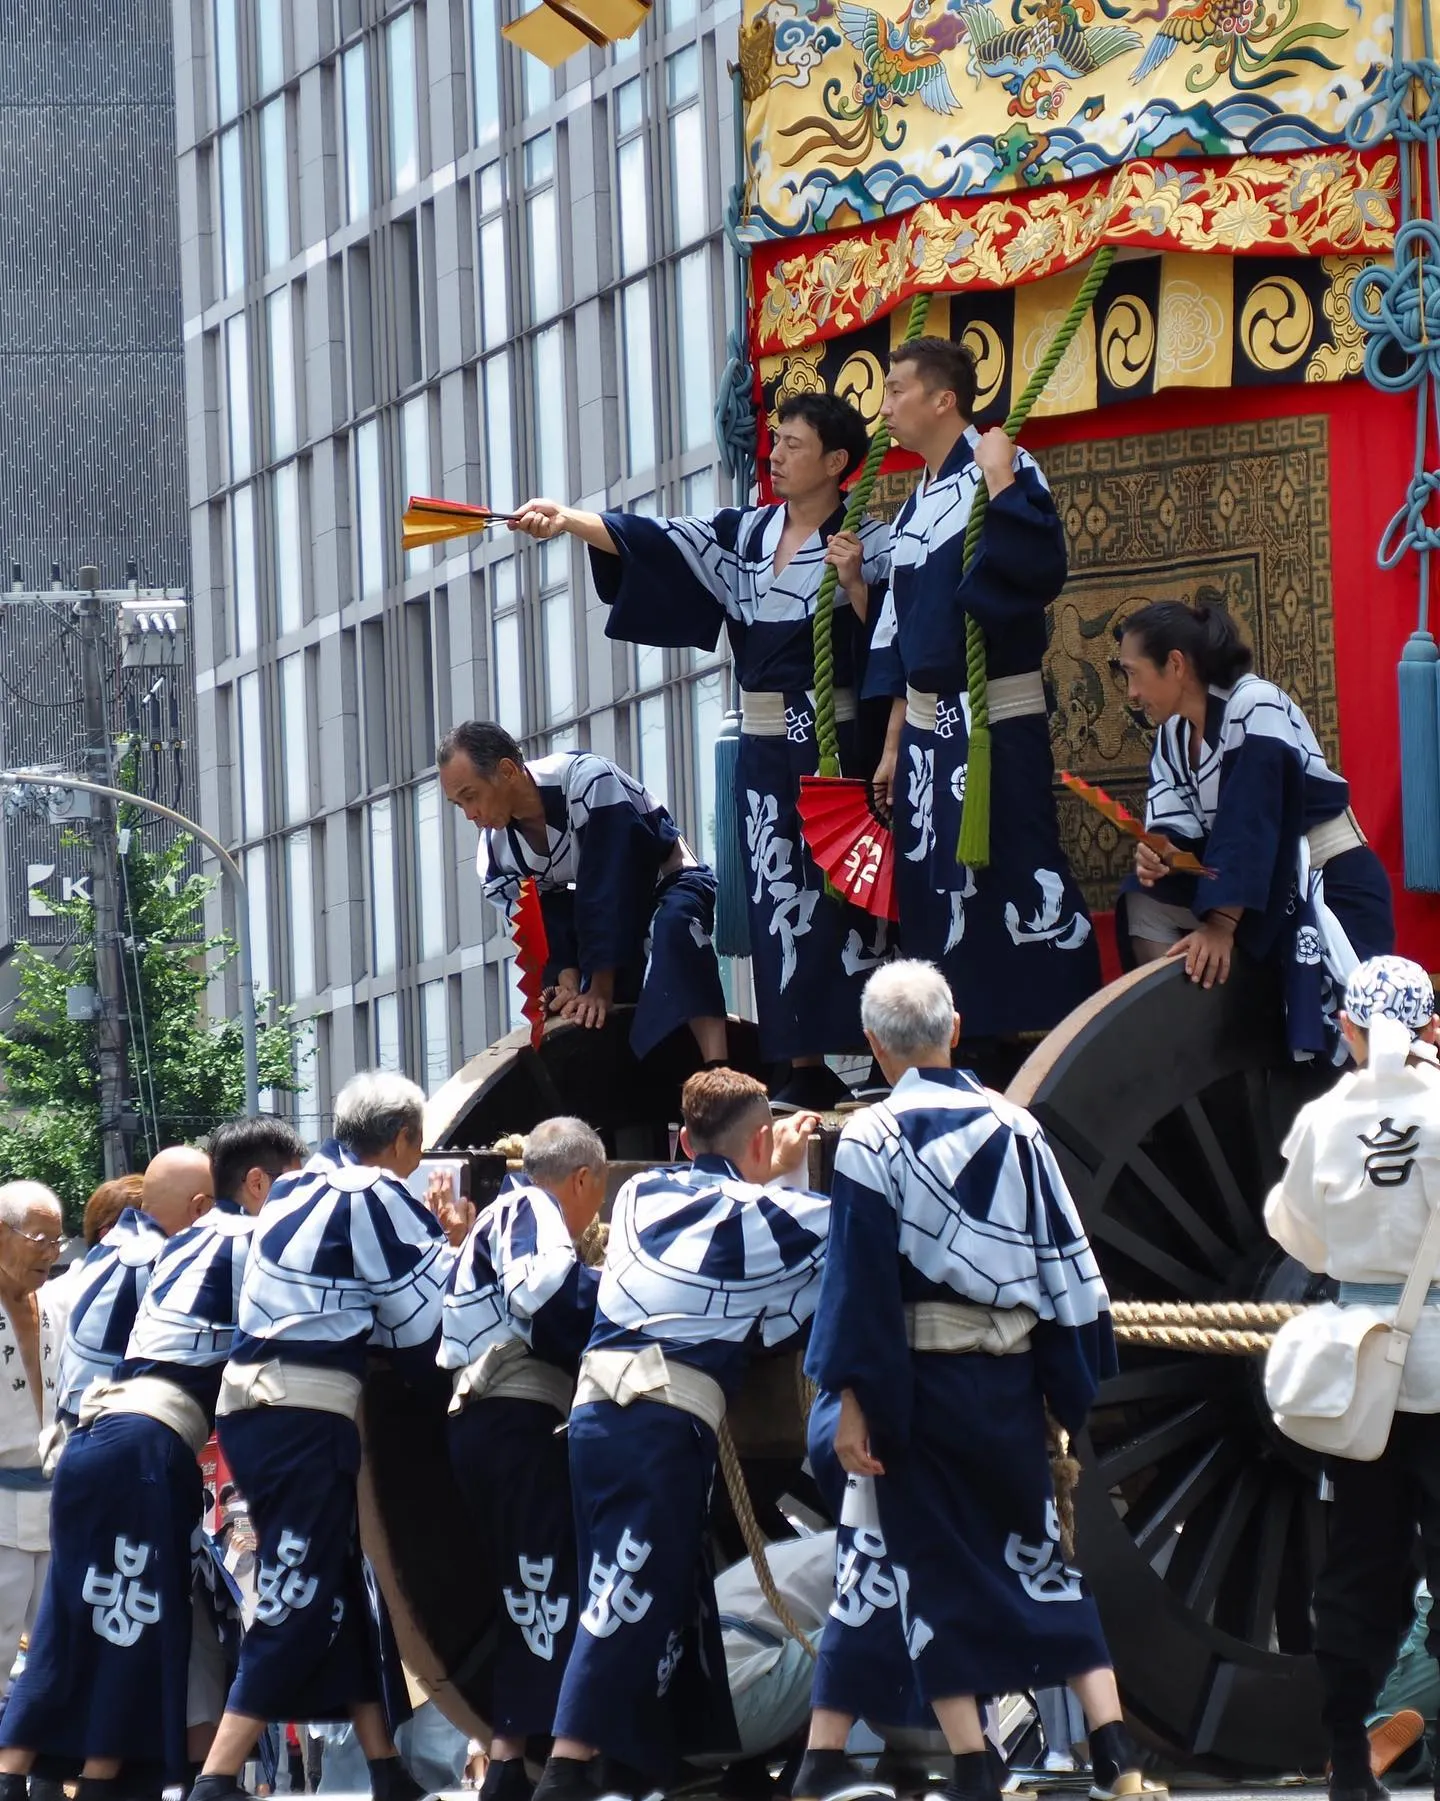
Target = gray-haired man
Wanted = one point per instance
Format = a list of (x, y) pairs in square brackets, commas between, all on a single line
[(517, 1316), (960, 1300), (344, 1262), (32, 1331)]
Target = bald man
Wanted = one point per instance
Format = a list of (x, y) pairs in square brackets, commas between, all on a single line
[(32, 1330), (177, 1189)]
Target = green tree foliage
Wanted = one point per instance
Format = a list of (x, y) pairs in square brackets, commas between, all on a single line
[(186, 1071)]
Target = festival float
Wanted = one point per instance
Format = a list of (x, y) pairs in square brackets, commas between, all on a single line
[(1191, 246)]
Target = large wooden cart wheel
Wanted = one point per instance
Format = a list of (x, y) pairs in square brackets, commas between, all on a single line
[(1199, 1526)]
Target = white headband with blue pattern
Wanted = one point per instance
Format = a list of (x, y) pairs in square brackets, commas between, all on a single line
[(1390, 988)]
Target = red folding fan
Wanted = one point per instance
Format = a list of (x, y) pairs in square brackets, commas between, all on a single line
[(1122, 818), (430, 521), (532, 953), (850, 840)]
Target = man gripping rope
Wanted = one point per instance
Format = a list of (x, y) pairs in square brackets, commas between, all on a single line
[(518, 1314)]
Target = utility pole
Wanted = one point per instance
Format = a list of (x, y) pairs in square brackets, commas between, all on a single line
[(104, 879)]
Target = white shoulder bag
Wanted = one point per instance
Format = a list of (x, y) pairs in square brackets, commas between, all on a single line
[(1332, 1374)]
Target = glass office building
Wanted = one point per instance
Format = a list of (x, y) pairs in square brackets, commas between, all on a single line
[(415, 261)]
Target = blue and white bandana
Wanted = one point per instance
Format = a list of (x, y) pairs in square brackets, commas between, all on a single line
[(1390, 988)]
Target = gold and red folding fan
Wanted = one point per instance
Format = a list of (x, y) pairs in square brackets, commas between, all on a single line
[(532, 953), (850, 840), (431, 521), (1124, 820)]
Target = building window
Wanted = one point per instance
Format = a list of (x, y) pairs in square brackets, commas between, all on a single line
[(678, 12), (257, 912), (494, 289), (654, 741), (499, 457), (541, 225), (649, 666), (295, 738), (709, 696), (429, 870), (699, 494), (692, 311), (289, 585), (550, 412), (270, 43), (387, 1032), (357, 134), (362, 331), (242, 553), (275, 175), (509, 679), (435, 1024), (237, 393), (409, 343), (252, 764), (687, 150), (302, 914), (232, 213), (539, 85), (638, 345), (382, 887), (282, 374), (415, 451), (227, 61), (485, 69), (307, 1077), (558, 629), (634, 205), (370, 534), (404, 120)]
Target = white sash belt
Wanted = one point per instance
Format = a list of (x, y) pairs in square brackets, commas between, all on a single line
[(628, 1376), (1011, 697), (959, 1326), (279, 1384), (1332, 836), (153, 1397), (763, 715), (508, 1372)]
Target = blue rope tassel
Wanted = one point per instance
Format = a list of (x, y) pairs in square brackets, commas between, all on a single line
[(1399, 311)]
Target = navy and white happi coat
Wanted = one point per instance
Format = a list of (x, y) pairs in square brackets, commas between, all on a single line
[(1260, 785), (106, 1671), (678, 582), (107, 1298), (946, 1192), (606, 902), (518, 1289), (702, 1266), (1015, 939), (345, 1263)]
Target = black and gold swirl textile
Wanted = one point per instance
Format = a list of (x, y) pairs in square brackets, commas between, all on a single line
[(1172, 321), (1236, 513)]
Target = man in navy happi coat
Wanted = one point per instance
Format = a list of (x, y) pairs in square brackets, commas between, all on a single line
[(518, 1314), (960, 1304), (755, 572), (702, 1264), (629, 912), (176, 1191), (1013, 939), (114, 1680), (345, 1263)]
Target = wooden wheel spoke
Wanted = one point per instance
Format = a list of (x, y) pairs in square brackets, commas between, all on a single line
[(1200, 1420), (1149, 1523), (1215, 1560), (1242, 1217), (1269, 1561), (1168, 1270), (1174, 1374), (1210, 1248)]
